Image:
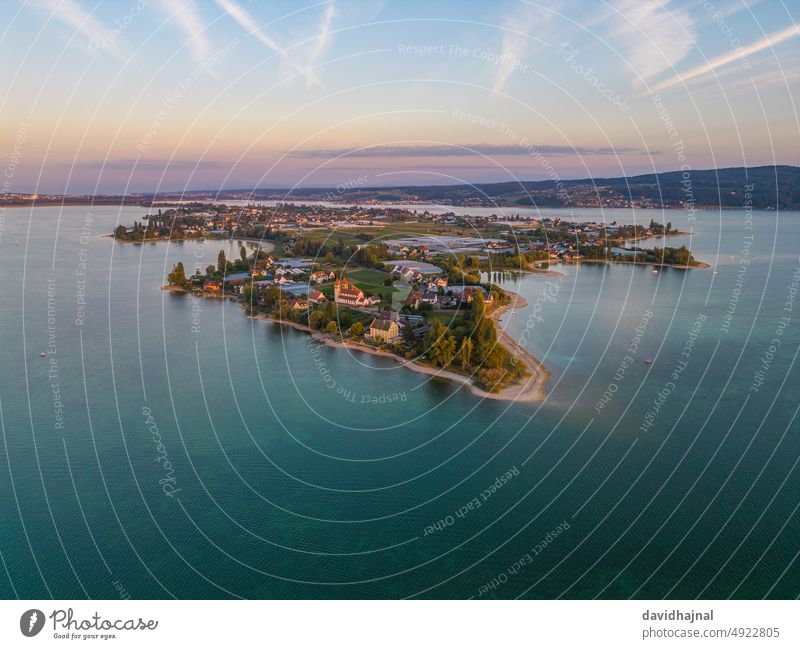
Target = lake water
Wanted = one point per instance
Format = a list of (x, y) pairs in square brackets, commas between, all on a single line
[(169, 447)]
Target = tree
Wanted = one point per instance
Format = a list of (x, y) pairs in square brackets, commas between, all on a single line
[(221, 262), (356, 330), (441, 343), (243, 255), (250, 294), (408, 334), (283, 310), (332, 327), (315, 319), (465, 353), (178, 275), (210, 269), (271, 295)]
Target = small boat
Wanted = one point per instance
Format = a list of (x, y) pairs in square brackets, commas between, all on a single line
[(715, 272), (648, 361), (654, 270), (732, 257), (42, 354)]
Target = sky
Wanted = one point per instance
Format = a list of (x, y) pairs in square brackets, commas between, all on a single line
[(168, 95)]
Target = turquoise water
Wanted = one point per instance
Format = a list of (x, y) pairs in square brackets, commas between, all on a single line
[(166, 447)]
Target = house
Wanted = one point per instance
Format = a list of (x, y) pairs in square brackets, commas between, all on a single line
[(499, 245), (469, 293), (321, 276), (296, 305), (212, 286), (386, 327), (414, 299), (317, 297), (409, 274), (429, 297), (345, 292)]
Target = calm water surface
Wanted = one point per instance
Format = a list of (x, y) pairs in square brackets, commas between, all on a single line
[(284, 470)]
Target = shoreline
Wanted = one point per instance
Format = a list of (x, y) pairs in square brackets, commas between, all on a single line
[(122, 201), (701, 265), (530, 389)]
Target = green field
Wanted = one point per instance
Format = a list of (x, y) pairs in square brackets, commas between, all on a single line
[(371, 281)]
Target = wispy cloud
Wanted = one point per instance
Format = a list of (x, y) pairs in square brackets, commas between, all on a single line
[(770, 40), (321, 41), (517, 42), (461, 150), (187, 17), (653, 34), (251, 26), (70, 13)]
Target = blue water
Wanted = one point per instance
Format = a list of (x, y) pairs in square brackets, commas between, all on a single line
[(284, 470)]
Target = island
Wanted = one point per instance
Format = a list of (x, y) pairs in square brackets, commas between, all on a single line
[(410, 285)]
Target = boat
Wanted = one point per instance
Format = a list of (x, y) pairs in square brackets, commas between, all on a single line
[(648, 361), (42, 354), (655, 270)]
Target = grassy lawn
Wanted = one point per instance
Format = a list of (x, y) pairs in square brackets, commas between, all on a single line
[(371, 281), (367, 276), (368, 280)]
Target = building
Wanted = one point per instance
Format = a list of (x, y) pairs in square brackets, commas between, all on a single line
[(429, 297), (385, 328), (298, 304), (321, 276), (414, 299), (236, 278), (347, 293), (469, 292), (212, 286), (317, 297)]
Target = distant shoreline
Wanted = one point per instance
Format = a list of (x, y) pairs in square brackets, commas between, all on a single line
[(700, 265), (499, 205)]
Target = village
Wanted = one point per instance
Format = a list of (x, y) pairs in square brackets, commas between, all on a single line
[(493, 242), (403, 307), (414, 285)]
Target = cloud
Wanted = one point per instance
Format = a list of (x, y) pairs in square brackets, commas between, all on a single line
[(437, 150), (129, 164), (516, 42), (70, 13), (248, 23), (770, 40), (186, 16), (654, 35), (321, 41)]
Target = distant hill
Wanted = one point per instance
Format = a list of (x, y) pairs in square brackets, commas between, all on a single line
[(772, 187)]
